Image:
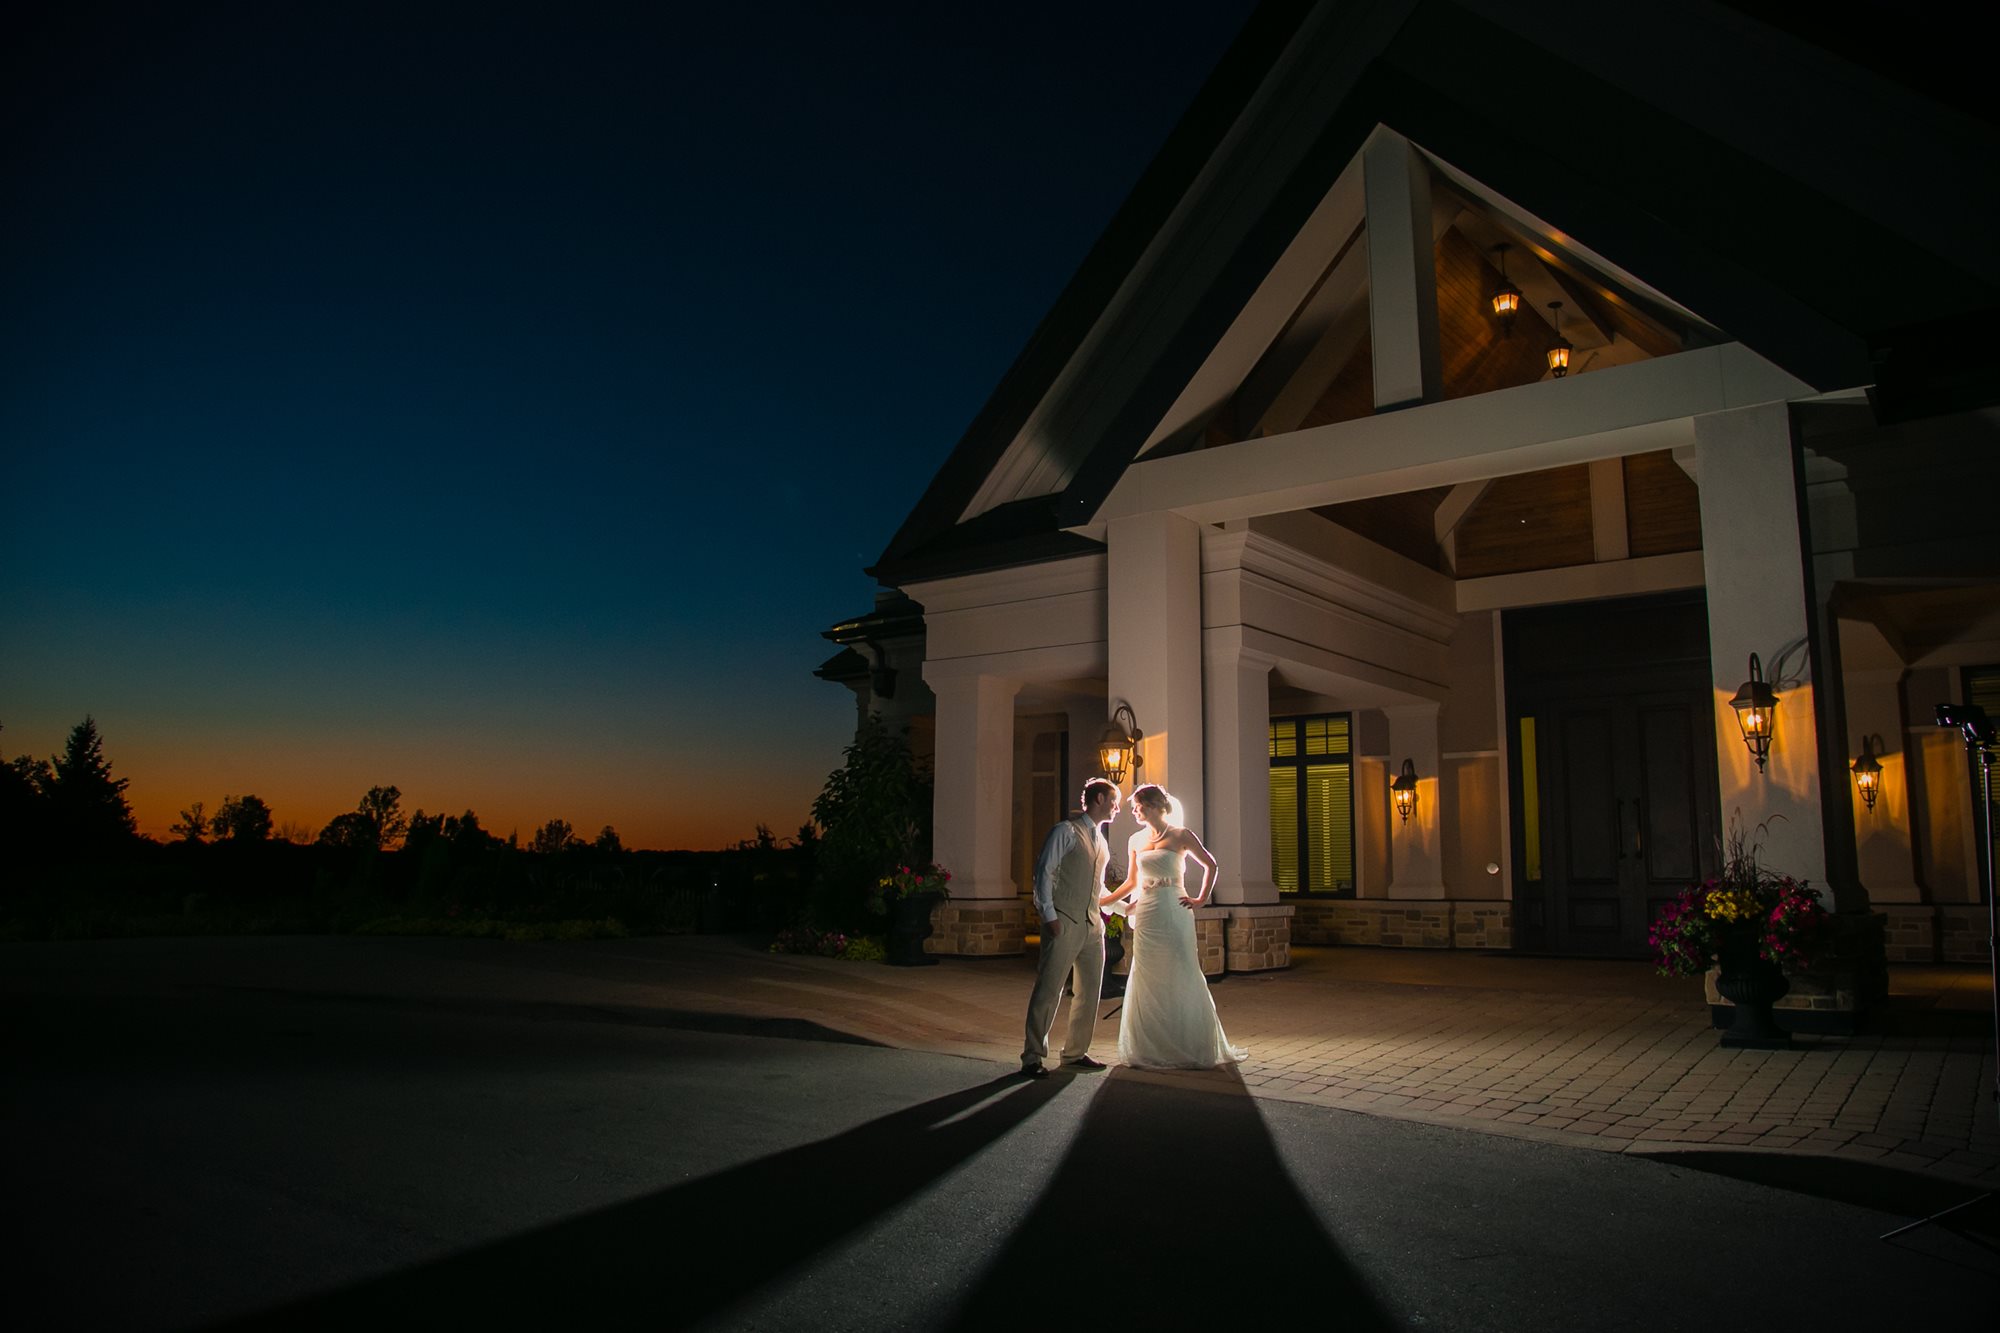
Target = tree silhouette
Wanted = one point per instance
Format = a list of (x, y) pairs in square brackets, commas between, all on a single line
[(87, 806), (552, 837), (242, 819), (465, 835), (458, 834), (24, 785), (607, 840), (378, 822), (382, 808), (352, 829), (192, 826)]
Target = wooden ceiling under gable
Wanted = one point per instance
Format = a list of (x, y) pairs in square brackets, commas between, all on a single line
[(1477, 357), (1606, 325), (1536, 520), (1662, 506), (1540, 520)]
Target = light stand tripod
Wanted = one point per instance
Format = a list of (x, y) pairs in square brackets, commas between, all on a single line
[(1977, 728)]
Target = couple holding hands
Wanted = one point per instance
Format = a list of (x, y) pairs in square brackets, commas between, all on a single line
[(1169, 1020)]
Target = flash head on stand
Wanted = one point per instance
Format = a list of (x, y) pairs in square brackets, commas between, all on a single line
[(1970, 719)]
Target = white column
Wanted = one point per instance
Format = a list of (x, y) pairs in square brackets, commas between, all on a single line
[(1416, 853), (972, 807), (1402, 274), (1153, 578), (1237, 743), (1753, 552)]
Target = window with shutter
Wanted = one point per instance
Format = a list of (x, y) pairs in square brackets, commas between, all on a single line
[(1312, 804)]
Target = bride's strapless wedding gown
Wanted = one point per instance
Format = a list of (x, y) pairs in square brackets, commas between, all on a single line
[(1169, 1020)]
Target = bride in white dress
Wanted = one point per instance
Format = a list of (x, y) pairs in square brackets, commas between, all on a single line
[(1169, 1020)]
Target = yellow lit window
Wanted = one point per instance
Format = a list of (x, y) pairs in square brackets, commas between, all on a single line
[(1312, 804)]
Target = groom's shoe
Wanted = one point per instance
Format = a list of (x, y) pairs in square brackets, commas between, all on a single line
[(1034, 1071), (1084, 1062)]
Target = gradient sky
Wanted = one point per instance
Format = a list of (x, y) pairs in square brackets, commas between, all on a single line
[(497, 400)]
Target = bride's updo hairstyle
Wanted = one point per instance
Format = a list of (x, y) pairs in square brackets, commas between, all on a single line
[(1154, 796)]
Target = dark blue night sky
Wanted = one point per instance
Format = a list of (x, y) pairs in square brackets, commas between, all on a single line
[(497, 400)]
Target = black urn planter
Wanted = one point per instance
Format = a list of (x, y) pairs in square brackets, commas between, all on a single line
[(909, 927), (1752, 984)]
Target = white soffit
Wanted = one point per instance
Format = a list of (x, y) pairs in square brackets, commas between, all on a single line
[(1251, 163), (1043, 455), (1288, 290)]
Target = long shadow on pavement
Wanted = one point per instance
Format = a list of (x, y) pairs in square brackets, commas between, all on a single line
[(1171, 1209), (685, 1020), (1883, 1189), (673, 1258)]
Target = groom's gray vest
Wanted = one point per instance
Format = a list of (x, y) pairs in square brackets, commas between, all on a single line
[(1077, 878)]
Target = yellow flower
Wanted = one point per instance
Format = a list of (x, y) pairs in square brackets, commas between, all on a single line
[(1732, 905)]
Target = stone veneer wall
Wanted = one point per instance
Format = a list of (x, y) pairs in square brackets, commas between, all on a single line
[(1210, 939), (1258, 938), (1928, 933), (1404, 923), (1910, 932), (1254, 938), (1962, 933), (981, 928)]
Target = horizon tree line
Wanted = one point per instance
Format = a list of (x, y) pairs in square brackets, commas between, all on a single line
[(72, 801)]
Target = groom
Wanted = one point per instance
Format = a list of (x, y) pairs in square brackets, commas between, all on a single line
[(1069, 876)]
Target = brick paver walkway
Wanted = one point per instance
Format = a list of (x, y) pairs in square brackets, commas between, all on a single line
[(1626, 1061), (1594, 1054)]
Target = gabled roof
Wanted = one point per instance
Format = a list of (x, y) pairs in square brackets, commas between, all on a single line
[(1830, 218)]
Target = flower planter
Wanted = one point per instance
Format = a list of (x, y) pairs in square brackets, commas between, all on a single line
[(1114, 983), (1744, 926), (1752, 984), (909, 927)]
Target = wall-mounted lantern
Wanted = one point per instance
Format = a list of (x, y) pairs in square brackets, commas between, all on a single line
[(1404, 790), (1867, 773), (1118, 749), (1754, 703), (1507, 300), (1559, 354)]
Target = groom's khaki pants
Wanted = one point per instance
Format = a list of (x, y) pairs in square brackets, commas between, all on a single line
[(1079, 949)]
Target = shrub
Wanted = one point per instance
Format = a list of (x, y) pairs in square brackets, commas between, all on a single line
[(829, 944), (875, 813)]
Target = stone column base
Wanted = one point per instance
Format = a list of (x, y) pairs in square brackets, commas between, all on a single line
[(1834, 995), (1963, 931), (1934, 932), (1258, 937), (1911, 932), (1405, 923), (1211, 945), (977, 928)]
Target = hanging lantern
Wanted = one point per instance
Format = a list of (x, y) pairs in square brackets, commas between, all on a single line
[(1754, 703), (1507, 300), (1867, 775), (1559, 354), (1118, 748), (1404, 790)]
